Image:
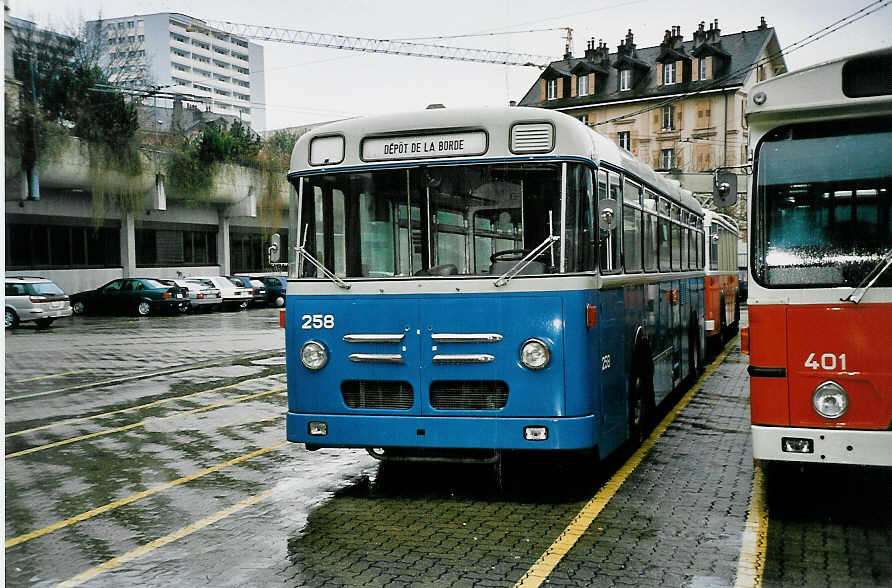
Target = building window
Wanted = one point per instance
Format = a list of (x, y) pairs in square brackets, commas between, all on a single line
[(584, 119), (43, 246), (582, 86), (669, 73), (668, 118), (702, 70), (625, 79), (155, 247), (667, 158), (551, 89), (624, 138)]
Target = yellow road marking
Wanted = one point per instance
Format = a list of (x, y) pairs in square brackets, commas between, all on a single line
[(751, 564), (148, 405), (584, 518), (142, 422), (139, 495), (137, 377), (161, 541), (52, 376)]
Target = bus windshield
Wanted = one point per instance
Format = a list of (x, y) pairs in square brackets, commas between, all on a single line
[(822, 204), (444, 220)]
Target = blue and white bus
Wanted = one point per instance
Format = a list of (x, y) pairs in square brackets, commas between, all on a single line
[(485, 279)]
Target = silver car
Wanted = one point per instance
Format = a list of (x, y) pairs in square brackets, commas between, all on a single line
[(203, 295), (36, 300)]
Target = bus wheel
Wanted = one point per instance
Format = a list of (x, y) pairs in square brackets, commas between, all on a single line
[(736, 326), (695, 364), (723, 326), (641, 405)]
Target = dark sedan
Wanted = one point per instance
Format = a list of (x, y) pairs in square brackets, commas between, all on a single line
[(141, 296), (276, 287)]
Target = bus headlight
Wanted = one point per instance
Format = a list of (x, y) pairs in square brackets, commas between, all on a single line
[(313, 355), (830, 400), (535, 354)]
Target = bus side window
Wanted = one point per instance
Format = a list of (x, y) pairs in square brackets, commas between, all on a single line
[(631, 226), (650, 231), (663, 237), (608, 220), (580, 247), (713, 246)]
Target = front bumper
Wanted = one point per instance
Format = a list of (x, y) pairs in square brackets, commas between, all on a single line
[(830, 445), (568, 433)]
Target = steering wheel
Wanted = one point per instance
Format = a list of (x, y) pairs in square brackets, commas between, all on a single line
[(511, 255)]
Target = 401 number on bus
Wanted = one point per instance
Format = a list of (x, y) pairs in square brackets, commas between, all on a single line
[(827, 361)]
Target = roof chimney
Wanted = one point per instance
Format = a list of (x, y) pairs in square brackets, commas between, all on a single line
[(762, 24), (714, 33)]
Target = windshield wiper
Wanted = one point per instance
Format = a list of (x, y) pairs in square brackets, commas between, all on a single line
[(870, 279), (303, 253), (522, 263)]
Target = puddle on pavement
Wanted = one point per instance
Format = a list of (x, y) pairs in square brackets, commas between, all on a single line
[(270, 361), (217, 373)]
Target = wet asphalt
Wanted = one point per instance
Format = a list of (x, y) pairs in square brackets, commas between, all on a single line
[(150, 452)]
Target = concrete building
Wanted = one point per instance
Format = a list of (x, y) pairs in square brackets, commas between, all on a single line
[(678, 106), (89, 225), (222, 73)]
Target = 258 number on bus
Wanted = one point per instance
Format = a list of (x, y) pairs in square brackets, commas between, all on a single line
[(317, 321), (827, 361)]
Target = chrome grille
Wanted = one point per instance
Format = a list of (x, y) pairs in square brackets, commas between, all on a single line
[(468, 394), (377, 394)]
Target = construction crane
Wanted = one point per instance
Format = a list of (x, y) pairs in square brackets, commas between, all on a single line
[(367, 45)]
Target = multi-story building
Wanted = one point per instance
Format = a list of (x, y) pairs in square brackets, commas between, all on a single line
[(678, 106), (88, 224), (180, 54)]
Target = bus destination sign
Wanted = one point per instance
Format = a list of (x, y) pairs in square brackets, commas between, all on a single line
[(424, 146)]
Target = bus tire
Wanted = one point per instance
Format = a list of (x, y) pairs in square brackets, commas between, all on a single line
[(736, 326), (641, 400), (695, 361), (723, 324)]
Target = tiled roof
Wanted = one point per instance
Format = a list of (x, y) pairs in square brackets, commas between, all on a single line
[(743, 49)]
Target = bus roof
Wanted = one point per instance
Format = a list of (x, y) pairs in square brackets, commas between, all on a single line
[(402, 140), (824, 89)]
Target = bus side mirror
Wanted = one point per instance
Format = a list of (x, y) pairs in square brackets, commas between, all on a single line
[(274, 248), (724, 191)]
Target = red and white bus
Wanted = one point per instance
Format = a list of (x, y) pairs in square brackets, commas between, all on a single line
[(721, 282), (820, 277)]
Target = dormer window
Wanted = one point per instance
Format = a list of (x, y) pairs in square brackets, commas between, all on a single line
[(702, 70), (551, 89), (625, 79), (582, 86), (669, 73)]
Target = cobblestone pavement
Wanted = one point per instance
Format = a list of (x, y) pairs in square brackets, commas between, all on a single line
[(184, 479)]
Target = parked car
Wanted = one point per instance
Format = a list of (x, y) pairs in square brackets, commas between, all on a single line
[(258, 289), (276, 286), (34, 299), (142, 296), (234, 295), (203, 297)]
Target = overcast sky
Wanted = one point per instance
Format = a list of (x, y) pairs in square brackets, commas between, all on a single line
[(307, 84)]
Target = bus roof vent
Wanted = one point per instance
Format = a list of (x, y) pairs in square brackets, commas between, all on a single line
[(532, 138)]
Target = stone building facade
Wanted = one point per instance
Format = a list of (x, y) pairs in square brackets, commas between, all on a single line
[(679, 106)]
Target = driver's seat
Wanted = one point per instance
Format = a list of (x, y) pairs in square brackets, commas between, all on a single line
[(500, 267)]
